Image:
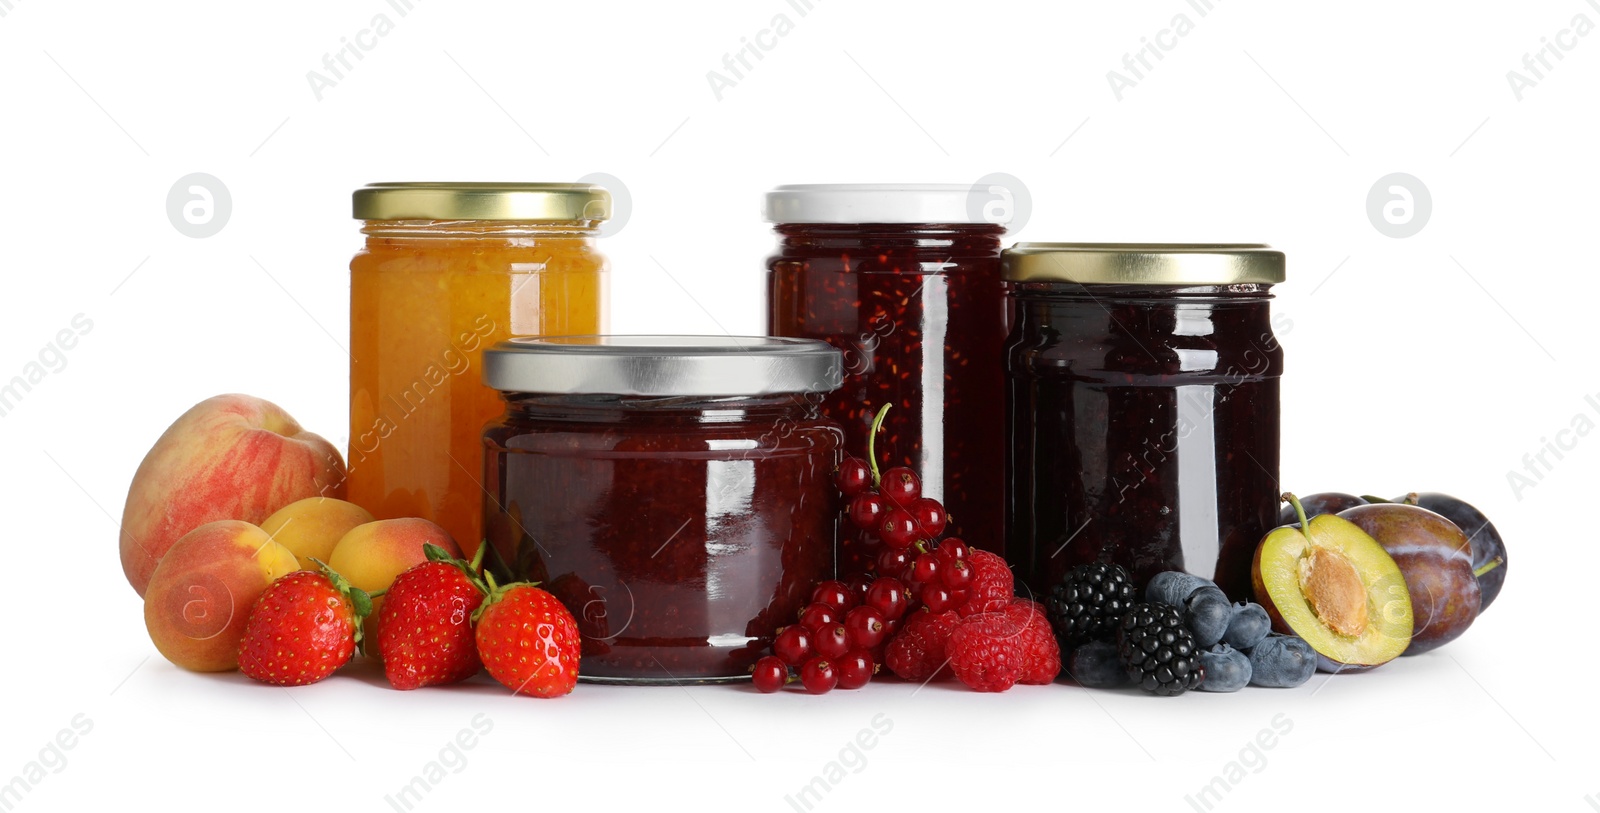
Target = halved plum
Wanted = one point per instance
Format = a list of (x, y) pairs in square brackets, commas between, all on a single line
[(1330, 583), (1436, 560)]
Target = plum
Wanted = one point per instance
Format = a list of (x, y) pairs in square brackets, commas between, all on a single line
[(1436, 560), (1488, 549), (1330, 583), (1323, 502)]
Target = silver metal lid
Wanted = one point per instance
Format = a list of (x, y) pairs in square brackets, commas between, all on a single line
[(663, 365)]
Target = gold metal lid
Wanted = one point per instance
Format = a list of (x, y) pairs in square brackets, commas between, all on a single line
[(1143, 263), (482, 201)]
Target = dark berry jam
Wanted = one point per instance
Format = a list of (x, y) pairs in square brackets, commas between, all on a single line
[(1143, 429), (681, 531), (920, 313)]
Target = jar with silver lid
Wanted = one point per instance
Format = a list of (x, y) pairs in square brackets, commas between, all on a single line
[(674, 492)]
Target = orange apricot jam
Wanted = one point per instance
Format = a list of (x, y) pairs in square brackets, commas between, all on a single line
[(448, 270)]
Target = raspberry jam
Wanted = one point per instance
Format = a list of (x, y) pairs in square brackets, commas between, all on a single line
[(919, 311), (673, 492), (1143, 409)]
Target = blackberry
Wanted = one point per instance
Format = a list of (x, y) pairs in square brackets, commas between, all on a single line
[(1158, 650), (1089, 602)]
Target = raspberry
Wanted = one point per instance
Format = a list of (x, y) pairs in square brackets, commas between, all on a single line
[(986, 651), (918, 652), (1041, 655), (992, 587)]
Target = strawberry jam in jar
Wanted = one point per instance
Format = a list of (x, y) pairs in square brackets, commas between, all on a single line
[(905, 280), (674, 492), (1143, 409)]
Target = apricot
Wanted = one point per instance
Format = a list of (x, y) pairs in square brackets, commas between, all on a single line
[(312, 526), (200, 594), (370, 556)]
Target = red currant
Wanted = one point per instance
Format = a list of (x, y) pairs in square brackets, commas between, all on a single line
[(925, 569), (793, 645), (937, 599), (855, 669), (819, 676), (868, 510), (865, 625), (898, 530), (930, 517), (835, 594), (952, 549), (887, 596), (900, 486), (959, 596), (859, 587), (955, 574), (770, 674), (817, 617), (831, 642), (853, 477), (894, 562)]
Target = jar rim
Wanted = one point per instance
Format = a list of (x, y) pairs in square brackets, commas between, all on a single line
[(429, 200), (943, 203), (1143, 263), (709, 366)]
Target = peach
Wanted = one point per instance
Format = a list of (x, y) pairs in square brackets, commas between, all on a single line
[(312, 526), (370, 556), (228, 457), (197, 600)]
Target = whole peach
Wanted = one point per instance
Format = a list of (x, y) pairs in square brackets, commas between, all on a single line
[(312, 526), (228, 457), (199, 596)]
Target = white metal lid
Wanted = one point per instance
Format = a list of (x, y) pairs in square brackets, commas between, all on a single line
[(873, 203), (663, 365)]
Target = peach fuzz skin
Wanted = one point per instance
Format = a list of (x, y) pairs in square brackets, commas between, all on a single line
[(312, 526), (371, 556), (228, 457), (200, 595)]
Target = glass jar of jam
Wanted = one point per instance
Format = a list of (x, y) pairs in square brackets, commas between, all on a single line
[(675, 493), (1143, 409), (448, 270), (905, 280)]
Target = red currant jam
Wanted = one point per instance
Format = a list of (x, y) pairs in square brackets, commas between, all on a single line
[(1143, 420), (681, 530), (920, 313)]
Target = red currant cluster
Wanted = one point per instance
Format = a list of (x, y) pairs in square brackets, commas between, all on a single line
[(840, 638)]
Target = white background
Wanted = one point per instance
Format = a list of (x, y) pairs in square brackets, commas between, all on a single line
[(1436, 361)]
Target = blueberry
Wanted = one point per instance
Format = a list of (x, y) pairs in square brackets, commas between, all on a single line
[(1173, 587), (1248, 626), (1282, 662), (1207, 614), (1095, 665), (1227, 669)]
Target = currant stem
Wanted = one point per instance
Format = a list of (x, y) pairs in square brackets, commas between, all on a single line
[(872, 443)]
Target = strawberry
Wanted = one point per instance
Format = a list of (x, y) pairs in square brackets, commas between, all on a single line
[(302, 628), (528, 640), (425, 624)]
